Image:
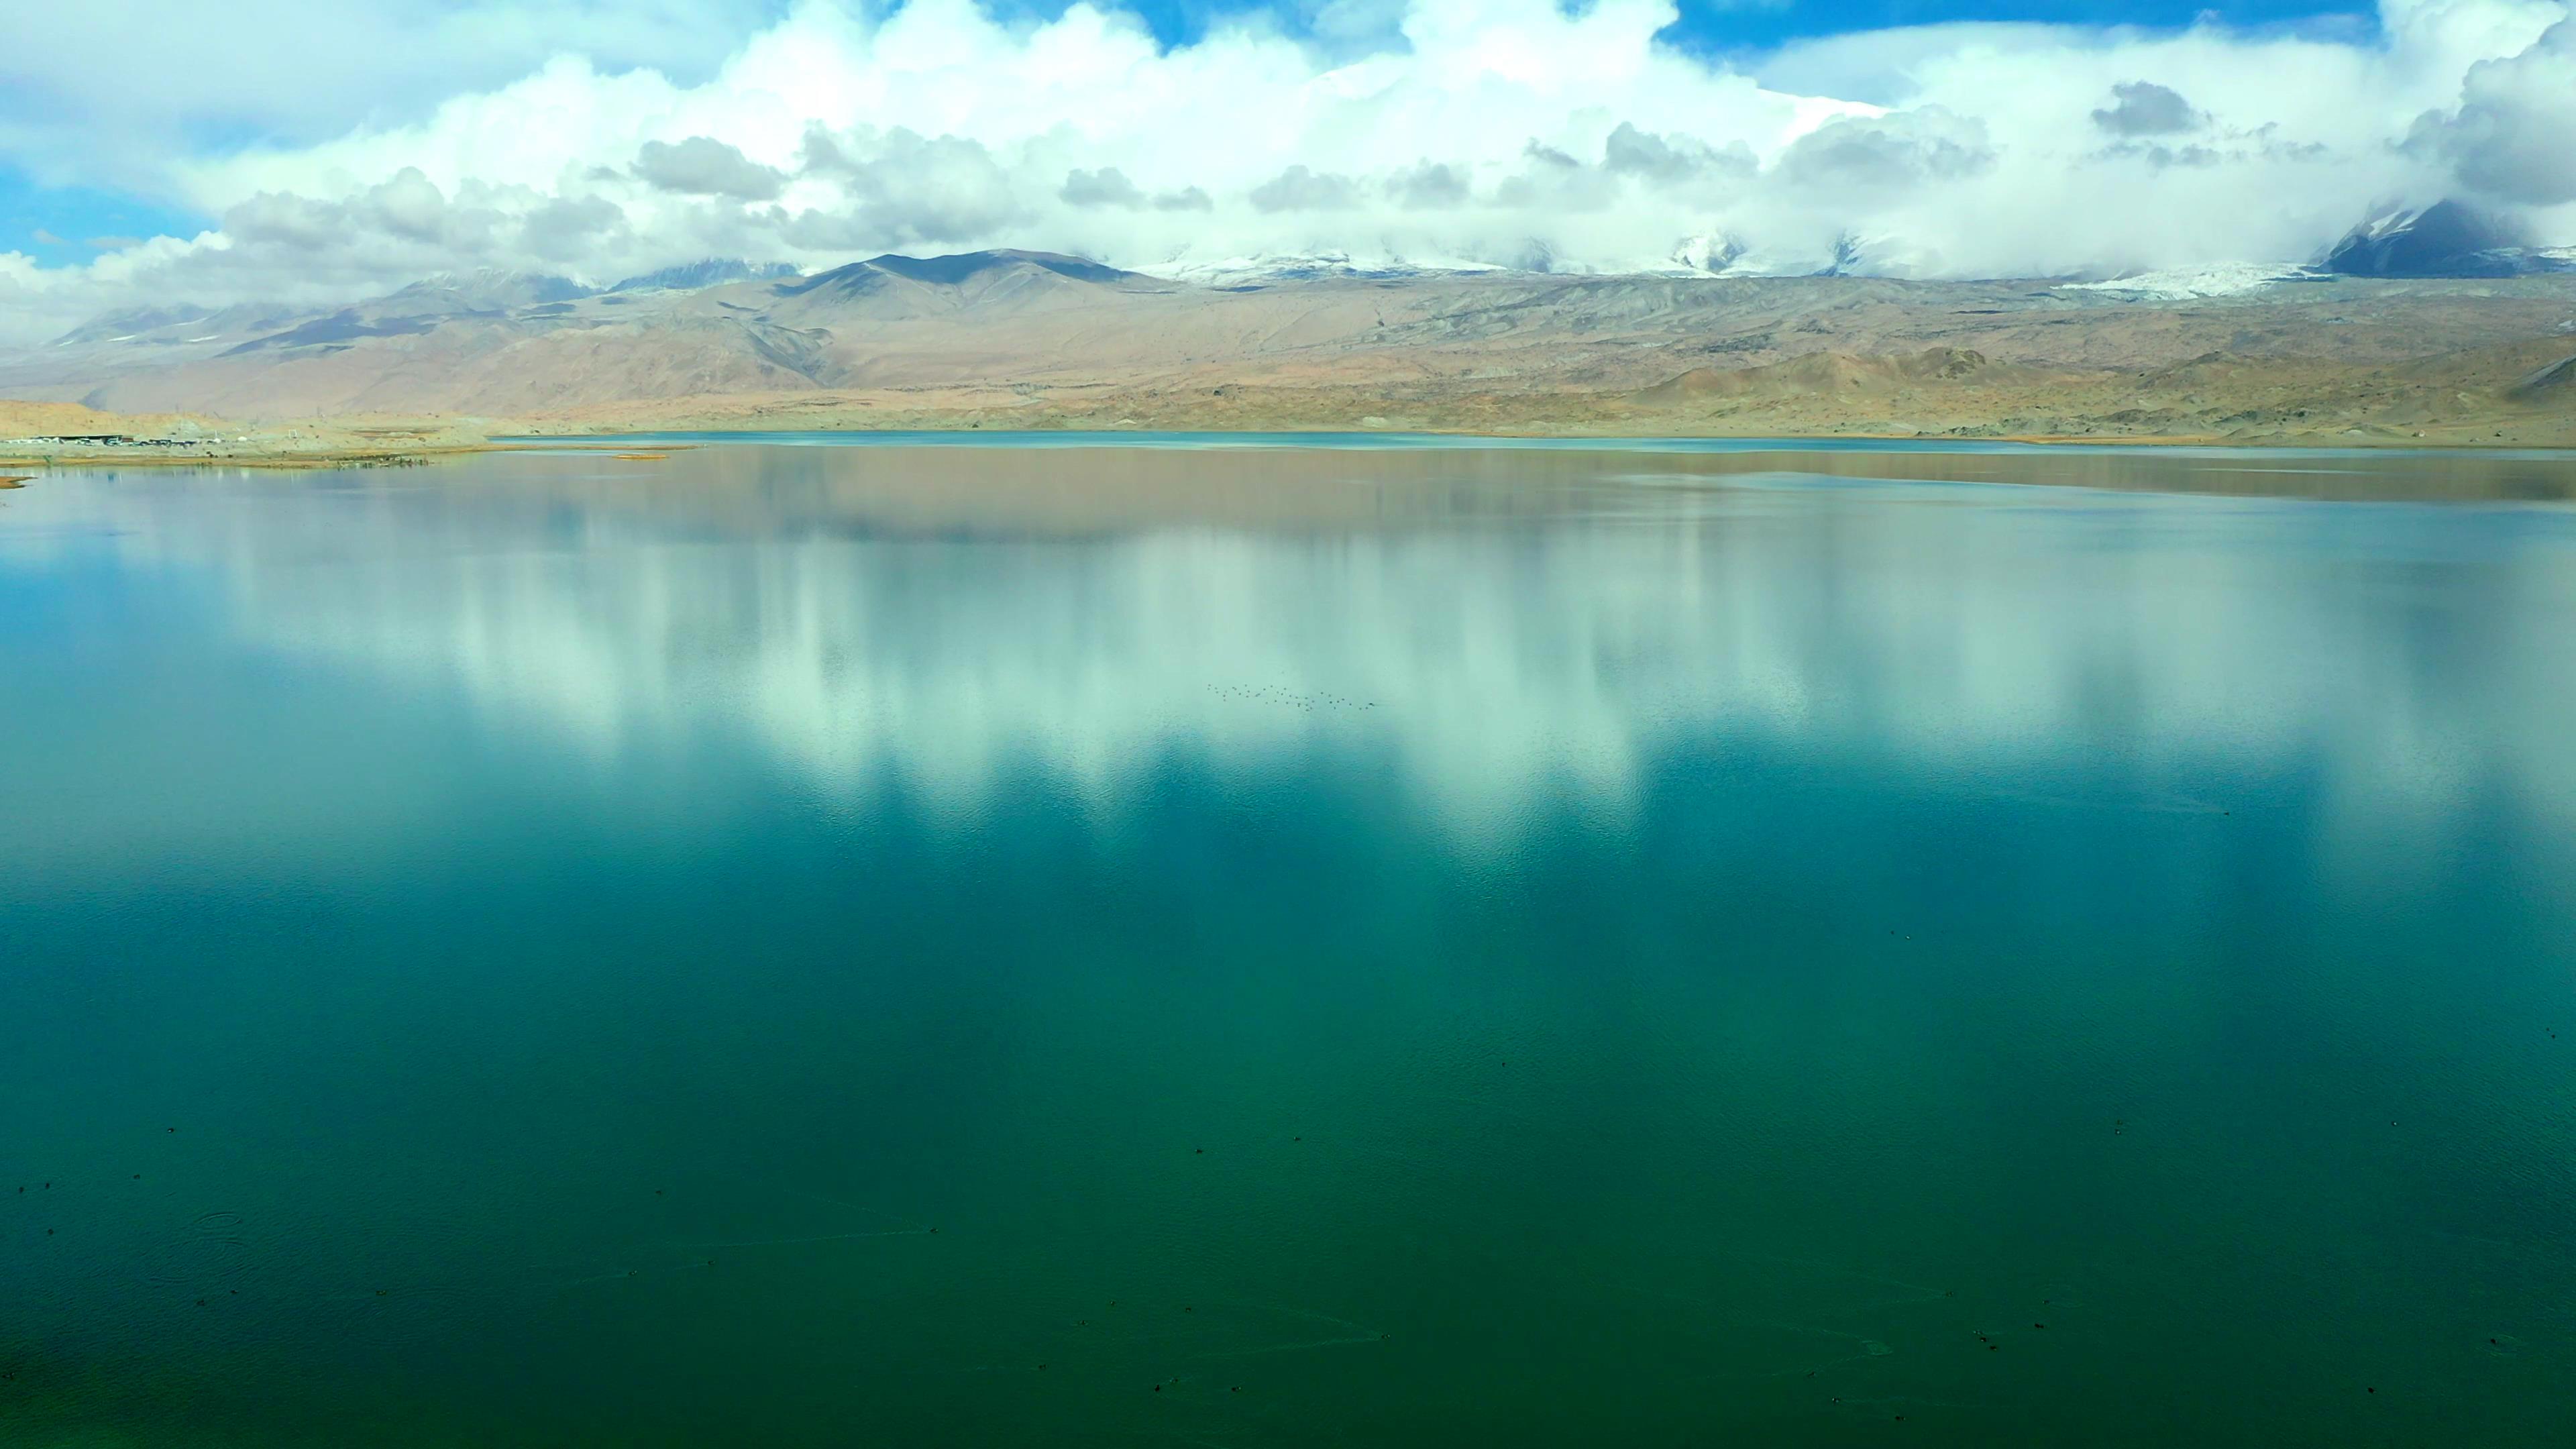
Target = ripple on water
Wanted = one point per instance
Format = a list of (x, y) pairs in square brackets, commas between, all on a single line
[(214, 1252)]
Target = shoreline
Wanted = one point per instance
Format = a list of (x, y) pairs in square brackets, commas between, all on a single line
[(679, 439), (990, 477), (1358, 439), (150, 455)]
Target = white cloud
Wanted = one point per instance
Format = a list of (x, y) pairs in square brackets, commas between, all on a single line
[(2514, 135), (111, 89), (1300, 189), (705, 166), (1107, 186), (2143, 108), (1498, 130)]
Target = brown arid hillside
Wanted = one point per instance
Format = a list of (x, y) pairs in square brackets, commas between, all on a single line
[(60, 419), (1030, 340), (39, 432), (1841, 374), (2549, 384)]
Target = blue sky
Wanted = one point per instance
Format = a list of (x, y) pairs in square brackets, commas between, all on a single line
[(71, 224), (1725, 25)]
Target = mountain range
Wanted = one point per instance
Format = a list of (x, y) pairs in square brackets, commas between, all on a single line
[(1036, 338)]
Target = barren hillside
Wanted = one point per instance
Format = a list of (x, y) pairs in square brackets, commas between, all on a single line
[(1008, 339)]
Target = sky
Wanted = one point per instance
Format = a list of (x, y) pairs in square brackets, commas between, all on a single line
[(158, 153)]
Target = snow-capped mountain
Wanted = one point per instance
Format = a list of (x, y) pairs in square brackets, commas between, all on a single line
[(1270, 268), (2445, 239), (712, 272), (487, 289), (1715, 254)]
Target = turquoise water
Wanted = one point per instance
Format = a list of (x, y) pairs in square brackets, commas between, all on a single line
[(1382, 441), (886, 946)]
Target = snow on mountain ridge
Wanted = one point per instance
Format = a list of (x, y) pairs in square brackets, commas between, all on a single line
[(1277, 267), (2210, 279), (711, 272)]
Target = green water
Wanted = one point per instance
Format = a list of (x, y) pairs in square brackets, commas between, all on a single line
[(1342, 948)]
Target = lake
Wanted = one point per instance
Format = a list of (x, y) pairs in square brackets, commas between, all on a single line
[(1265, 946)]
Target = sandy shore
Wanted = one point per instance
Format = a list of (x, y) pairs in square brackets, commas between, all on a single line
[(54, 435)]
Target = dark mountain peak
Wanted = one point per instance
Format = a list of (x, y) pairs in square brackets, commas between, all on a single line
[(851, 280), (951, 270), (2446, 239), (711, 272), (956, 270), (128, 322), (178, 324), (486, 289), (336, 330), (1850, 257)]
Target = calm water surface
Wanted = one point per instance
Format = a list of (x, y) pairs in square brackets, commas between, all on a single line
[(900, 947)]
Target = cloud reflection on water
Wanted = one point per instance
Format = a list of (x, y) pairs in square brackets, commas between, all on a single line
[(1511, 631)]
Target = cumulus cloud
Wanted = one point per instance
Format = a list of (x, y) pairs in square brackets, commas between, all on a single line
[(1888, 153), (898, 188), (405, 211), (1299, 189), (2143, 108), (565, 229), (1670, 159), (1549, 181), (705, 166), (1107, 186), (1505, 131), (2513, 136), (1430, 186), (114, 89)]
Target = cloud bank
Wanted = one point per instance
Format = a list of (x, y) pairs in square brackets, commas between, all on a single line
[(1504, 132)]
